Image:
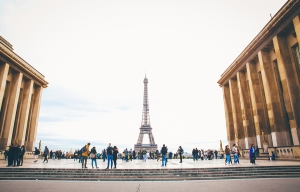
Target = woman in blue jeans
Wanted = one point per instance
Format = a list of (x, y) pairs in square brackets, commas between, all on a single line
[(93, 156), (227, 152)]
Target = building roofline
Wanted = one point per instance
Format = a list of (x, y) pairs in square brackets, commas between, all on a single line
[(271, 29), (7, 52)]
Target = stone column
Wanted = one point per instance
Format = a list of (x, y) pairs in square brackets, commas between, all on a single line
[(33, 124), (289, 85), (3, 76), (11, 111), (296, 22), (228, 115), (274, 105), (247, 116), (28, 87), (237, 113), (260, 119)]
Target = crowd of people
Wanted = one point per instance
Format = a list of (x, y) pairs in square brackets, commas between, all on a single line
[(14, 155)]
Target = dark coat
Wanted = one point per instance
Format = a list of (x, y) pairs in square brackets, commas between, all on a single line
[(115, 153)]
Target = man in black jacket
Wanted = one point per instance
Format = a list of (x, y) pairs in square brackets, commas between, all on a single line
[(10, 155), (109, 151), (164, 152)]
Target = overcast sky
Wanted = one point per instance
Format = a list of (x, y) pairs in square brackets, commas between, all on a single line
[(95, 54)]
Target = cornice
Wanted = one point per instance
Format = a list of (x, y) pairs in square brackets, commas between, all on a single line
[(257, 42), (23, 64)]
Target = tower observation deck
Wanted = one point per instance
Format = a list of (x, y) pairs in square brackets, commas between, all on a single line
[(145, 125)]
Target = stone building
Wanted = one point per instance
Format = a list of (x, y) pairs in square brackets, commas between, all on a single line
[(261, 88), (21, 88)]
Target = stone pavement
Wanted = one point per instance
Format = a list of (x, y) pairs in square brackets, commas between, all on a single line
[(286, 184), (149, 164), (249, 185)]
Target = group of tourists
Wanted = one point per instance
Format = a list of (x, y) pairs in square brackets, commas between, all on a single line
[(205, 154), (14, 155), (234, 151), (111, 153)]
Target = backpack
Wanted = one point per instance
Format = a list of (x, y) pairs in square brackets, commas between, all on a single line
[(83, 149), (182, 151)]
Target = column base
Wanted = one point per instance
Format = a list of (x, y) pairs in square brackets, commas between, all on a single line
[(4, 144), (29, 145)]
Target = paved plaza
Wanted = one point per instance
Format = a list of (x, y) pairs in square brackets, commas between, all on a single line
[(282, 184), (248, 185), (149, 164)]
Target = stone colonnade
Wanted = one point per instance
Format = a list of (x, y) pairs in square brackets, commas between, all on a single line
[(264, 94), (20, 99)]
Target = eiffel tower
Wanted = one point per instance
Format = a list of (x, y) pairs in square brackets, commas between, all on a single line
[(145, 127)]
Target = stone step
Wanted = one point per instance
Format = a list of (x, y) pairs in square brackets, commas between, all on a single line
[(150, 178), (149, 174)]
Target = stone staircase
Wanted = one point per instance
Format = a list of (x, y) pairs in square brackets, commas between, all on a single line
[(150, 174)]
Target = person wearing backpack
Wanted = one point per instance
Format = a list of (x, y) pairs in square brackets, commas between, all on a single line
[(36, 153), (85, 153)]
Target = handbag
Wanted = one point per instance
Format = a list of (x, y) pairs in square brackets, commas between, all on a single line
[(92, 155)]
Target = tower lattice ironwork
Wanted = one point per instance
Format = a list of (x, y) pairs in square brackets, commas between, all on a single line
[(145, 125)]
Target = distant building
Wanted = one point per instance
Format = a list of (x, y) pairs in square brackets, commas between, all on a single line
[(261, 88), (21, 88)]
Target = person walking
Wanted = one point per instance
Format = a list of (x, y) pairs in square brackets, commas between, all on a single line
[(36, 153), (115, 156), (109, 151), (46, 152), (85, 153), (93, 157), (163, 152), (180, 152)]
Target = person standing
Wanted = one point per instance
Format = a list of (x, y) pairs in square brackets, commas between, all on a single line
[(109, 151), (130, 154), (85, 153), (126, 154), (46, 152), (163, 152), (157, 155), (227, 152), (93, 157), (180, 152), (252, 154), (104, 155), (79, 156), (134, 154), (17, 151), (22, 152), (115, 156), (53, 155), (36, 153), (10, 155), (144, 153), (256, 151)]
